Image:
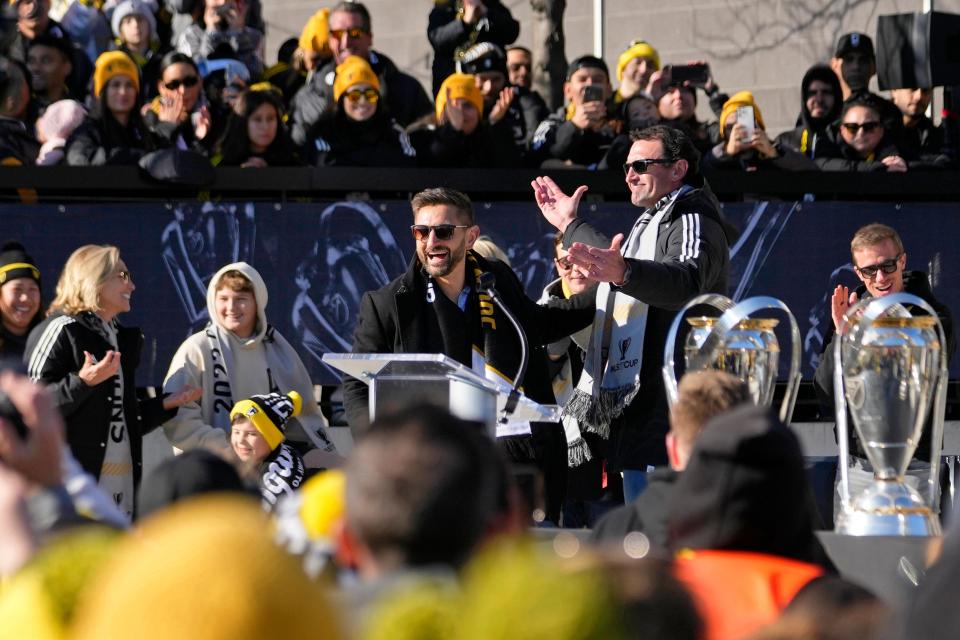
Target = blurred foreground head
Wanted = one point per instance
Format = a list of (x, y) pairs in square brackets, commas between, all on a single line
[(204, 568)]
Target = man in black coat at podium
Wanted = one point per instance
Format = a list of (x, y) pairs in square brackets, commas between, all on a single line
[(438, 306)]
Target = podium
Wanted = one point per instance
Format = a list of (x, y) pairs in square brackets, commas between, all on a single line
[(398, 380)]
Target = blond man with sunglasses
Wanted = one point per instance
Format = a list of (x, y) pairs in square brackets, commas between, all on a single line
[(879, 261)]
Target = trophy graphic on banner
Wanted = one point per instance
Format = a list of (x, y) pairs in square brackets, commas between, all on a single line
[(890, 372), (737, 343)]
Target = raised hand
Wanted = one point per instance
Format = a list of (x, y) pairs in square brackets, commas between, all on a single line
[(204, 123), (171, 109), (182, 397), (557, 207), (502, 105), (840, 303), (597, 263), (93, 372), (454, 112)]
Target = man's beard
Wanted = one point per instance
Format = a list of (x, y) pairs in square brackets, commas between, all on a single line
[(454, 257)]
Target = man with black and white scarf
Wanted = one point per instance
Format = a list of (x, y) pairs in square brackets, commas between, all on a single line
[(677, 249)]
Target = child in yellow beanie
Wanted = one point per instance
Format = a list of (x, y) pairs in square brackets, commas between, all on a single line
[(257, 437)]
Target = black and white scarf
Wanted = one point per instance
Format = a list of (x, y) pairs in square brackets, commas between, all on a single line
[(611, 370)]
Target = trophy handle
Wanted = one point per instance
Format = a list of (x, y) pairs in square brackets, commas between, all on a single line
[(742, 311), (873, 308), (715, 300)]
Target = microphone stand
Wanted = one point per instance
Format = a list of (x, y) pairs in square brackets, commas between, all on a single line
[(487, 285)]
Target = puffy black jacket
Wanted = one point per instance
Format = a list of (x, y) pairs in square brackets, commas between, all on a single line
[(55, 354)]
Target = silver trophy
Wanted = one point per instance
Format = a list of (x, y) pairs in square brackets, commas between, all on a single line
[(737, 343), (890, 371)]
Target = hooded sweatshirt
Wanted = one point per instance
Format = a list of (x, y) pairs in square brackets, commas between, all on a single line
[(809, 132), (229, 368)]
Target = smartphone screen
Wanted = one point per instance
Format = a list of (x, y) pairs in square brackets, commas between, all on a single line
[(745, 119)]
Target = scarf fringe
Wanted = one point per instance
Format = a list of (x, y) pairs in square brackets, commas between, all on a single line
[(578, 452), (595, 414)]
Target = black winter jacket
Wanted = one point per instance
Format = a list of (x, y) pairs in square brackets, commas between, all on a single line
[(104, 141), (17, 145), (394, 319), (377, 142), (692, 257), (810, 131), (55, 354), (448, 34)]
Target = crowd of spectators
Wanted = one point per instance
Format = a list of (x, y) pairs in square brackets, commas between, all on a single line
[(190, 75)]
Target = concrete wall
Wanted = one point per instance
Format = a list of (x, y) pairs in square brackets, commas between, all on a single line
[(761, 45)]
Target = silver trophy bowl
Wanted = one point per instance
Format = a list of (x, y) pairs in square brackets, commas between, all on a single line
[(890, 373), (737, 343)]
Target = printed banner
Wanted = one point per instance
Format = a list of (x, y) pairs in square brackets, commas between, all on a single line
[(319, 258)]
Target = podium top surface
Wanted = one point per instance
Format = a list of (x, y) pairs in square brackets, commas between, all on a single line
[(370, 366)]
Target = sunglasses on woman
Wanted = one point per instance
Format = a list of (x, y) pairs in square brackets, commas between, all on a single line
[(868, 127), (371, 95), (440, 231), (189, 81)]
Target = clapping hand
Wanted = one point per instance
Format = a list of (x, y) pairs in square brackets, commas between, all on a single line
[(93, 373), (502, 104), (557, 207), (183, 396), (599, 264)]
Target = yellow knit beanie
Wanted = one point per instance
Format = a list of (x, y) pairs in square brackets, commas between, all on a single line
[(740, 99), (112, 64), (461, 85), (637, 49), (353, 70)]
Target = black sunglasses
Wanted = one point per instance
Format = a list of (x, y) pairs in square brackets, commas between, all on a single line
[(867, 127), (887, 266), (189, 81), (641, 166), (440, 231), (352, 33)]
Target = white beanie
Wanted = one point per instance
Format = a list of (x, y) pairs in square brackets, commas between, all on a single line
[(134, 7)]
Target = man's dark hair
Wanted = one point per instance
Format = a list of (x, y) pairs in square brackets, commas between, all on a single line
[(445, 196), (356, 8), (13, 76), (422, 488), (676, 145), (517, 47)]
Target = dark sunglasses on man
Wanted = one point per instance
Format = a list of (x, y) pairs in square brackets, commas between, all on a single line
[(887, 266), (641, 166), (189, 81), (440, 231), (868, 127)]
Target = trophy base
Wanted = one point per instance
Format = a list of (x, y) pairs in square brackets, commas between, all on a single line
[(889, 508)]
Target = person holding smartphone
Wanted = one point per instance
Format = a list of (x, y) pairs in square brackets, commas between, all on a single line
[(580, 133), (224, 24), (744, 144)]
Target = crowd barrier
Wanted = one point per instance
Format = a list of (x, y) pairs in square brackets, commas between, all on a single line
[(319, 245)]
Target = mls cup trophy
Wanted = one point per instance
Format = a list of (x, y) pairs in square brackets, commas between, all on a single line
[(891, 370), (737, 343)]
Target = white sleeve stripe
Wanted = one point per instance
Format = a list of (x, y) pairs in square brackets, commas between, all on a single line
[(683, 243), (690, 246), (45, 344)]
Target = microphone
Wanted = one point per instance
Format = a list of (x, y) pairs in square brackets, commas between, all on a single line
[(487, 282)]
